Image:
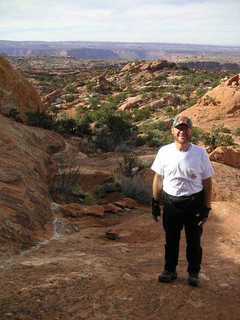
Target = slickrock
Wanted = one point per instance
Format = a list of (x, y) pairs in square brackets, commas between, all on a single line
[(16, 93), (26, 172), (52, 96), (130, 103), (219, 106)]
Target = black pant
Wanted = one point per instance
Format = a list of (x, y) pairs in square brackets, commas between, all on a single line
[(182, 212)]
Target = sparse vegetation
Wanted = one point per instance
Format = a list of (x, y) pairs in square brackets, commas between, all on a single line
[(128, 177), (215, 139), (237, 132)]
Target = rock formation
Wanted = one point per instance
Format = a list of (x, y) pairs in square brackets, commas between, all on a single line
[(220, 106), (26, 172), (227, 155), (16, 93)]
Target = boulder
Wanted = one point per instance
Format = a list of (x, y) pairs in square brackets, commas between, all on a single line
[(52, 96), (75, 210), (111, 208), (226, 155), (130, 103), (126, 203)]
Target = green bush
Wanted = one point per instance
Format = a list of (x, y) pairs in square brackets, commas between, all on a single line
[(197, 135), (129, 165), (94, 101), (136, 188), (67, 126), (171, 111), (237, 132), (40, 119), (69, 98), (113, 129), (139, 115), (215, 139), (14, 114), (128, 177)]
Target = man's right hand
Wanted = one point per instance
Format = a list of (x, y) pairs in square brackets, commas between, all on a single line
[(156, 209)]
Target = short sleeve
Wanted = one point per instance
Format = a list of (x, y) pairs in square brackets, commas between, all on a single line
[(157, 165), (207, 168)]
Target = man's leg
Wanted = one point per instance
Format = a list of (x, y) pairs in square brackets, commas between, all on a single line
[(172, 225), (194, 251)]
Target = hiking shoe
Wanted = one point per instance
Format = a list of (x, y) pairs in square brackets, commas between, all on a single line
[(193, 279), (167, 276)]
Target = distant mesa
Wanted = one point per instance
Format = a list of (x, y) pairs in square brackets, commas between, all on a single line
[(95, 54)]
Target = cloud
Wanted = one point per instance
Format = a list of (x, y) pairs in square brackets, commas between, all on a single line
[(196, 21)]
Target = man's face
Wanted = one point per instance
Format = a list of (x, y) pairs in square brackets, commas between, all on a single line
[(182, 134)]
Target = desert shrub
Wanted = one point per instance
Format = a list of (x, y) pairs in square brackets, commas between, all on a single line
[(156, 134), (197, 135), (200, 92), (237, 132), (139, 115), (106, 188), (83, 125), (158, 138), (40, 119), (210, 100), (224, 129), (128, 177), (66, 181), (113, 130), (69, 98), (135, 187), (215, 139), (94, 101), (104, 141), (118, 98), (14, 114), (89, 199), (70, 89), (171, 111), (66, 126), (129, 165)]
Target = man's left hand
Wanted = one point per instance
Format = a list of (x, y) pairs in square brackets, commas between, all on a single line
[(156, 209), (203, 215)]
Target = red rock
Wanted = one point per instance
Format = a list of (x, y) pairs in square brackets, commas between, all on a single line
[(76, 210), (226, 155), (130, 103), (26, 172), (17, 93), (219, 106), (126, 203), (111, 208)]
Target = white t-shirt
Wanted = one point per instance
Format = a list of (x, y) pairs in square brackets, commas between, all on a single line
[(182, 171)]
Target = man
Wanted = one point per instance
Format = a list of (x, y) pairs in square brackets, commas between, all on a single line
[(182, 186)]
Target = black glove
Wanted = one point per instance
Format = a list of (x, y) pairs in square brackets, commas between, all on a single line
[(203, 214), (156, 210)]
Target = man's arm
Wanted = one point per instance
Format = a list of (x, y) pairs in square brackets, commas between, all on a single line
[(207, 187), (204, 212), (157, 197), (157, 187)]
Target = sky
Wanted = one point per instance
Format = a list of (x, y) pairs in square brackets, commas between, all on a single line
[(214, 22)]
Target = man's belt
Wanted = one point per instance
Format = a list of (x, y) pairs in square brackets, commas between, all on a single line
[(176, 199)]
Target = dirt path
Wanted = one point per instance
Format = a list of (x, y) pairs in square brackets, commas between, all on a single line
[(86, 276)]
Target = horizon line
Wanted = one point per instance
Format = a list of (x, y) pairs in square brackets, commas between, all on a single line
[(124, 42)]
